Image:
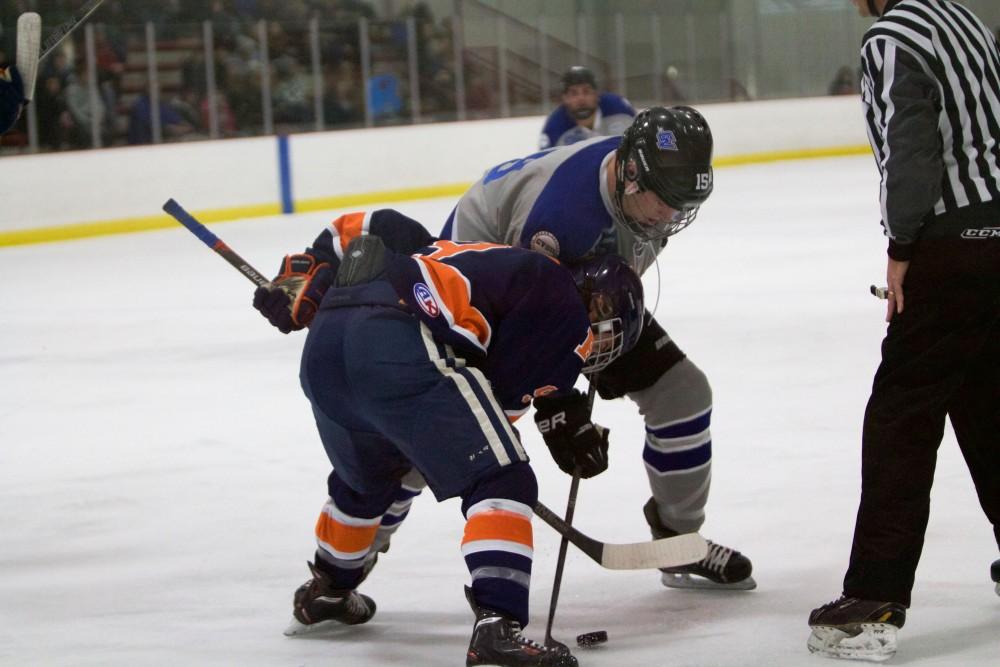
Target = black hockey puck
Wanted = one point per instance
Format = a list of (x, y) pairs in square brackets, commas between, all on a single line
[(588, 639)]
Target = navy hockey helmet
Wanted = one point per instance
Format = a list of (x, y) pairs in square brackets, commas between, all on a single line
[(612, 292), (669, 152), (576, 75)]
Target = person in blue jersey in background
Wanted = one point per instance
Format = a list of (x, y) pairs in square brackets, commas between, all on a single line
[(585, 113), (626, 195), (419, 355)]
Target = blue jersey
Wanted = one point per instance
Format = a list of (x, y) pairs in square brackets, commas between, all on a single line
[(514, 314), (613, 116), (555, 201)]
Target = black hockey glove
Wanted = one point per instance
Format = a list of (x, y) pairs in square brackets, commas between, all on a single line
[(573, 440), (291, 300)]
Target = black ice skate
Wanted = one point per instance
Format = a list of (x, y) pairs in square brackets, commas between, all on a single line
[(497, 640), (995, 574), (318, 605), (721, 569), (856, 629)]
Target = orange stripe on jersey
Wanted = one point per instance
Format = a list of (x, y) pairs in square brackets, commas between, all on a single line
[(584, 349), (348, 227), (453, 290), (344, 538), (499, 525), (451, 248)]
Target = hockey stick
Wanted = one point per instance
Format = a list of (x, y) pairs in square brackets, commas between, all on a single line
[(574, 487), (214, 242), (665, 552), (29, 33), (63, 30)]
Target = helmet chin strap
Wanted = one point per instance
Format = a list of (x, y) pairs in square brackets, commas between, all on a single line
[(873, 9)]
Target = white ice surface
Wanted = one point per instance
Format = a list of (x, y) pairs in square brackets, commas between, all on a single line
[(160, 474)]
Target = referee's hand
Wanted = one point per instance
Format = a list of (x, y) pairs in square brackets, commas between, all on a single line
[(895, 272)]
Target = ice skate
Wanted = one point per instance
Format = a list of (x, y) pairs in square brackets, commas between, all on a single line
[(721, 569), (497, 640), (856, 629), (318, 605), (995, 574)]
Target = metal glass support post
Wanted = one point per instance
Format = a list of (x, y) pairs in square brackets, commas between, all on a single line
[(620, 54), (211, 89), (413, 66), (458, 39), (316, 62), (154, 84), (93, 93), (366, 70), (266, 103), (657, 60), (502, 66)]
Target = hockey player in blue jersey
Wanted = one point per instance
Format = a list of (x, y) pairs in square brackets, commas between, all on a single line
[(626, 195), (584, 113), (417, 359)]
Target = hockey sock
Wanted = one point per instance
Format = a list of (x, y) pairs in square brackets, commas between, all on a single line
[(346, 530), (498, 542)]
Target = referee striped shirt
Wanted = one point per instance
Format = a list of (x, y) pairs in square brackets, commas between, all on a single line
[(931, 95)]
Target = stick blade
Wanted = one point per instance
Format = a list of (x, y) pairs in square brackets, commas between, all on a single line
[(29, 39), (665, 552)]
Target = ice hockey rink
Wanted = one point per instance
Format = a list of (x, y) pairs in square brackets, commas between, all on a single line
[(160, 474)]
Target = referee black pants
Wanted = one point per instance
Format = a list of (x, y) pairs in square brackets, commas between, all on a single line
[(940, 357)]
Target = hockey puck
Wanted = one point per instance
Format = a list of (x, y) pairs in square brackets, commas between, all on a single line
[(588, 639)]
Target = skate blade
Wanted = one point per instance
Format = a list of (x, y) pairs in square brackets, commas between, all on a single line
[(875, 642), (687, 581), (297, 629), (998, 588)]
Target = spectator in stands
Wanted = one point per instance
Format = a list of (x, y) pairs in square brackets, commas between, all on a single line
[(140, 125), (585, 113), (82, 112)]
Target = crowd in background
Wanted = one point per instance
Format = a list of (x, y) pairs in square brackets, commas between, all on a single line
[(66, 115)]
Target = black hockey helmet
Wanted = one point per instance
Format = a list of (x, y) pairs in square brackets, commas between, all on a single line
[(612, 292), (576, 75), (667, 150)]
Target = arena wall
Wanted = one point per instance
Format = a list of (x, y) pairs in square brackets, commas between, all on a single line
[(60, 196)]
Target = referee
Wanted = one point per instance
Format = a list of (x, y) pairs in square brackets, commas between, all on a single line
[(931, 98)]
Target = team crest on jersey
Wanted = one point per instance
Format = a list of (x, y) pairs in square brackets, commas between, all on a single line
[(666, 141), (426, 300), (545, 243)]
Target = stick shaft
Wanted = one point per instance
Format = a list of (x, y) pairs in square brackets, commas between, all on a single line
[(574, 487), (214, 242), (64, 29)]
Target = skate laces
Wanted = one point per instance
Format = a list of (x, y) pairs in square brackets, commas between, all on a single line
[(515, 633), (718, 557)]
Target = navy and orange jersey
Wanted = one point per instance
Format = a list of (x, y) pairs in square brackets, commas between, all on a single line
[(515, 314), (398, 232)]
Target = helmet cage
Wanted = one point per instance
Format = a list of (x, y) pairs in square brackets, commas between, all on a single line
[(608, 344)]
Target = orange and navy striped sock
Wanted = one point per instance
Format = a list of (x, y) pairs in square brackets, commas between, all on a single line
[(498, 549)]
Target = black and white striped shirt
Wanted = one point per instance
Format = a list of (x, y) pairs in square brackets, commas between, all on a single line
[(931, 94)]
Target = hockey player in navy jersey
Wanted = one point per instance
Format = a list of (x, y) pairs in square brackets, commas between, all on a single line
[(584, 113), (418, 358), (11, 97), (626, 195)]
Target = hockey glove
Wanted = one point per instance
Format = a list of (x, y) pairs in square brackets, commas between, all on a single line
[(573, 440), (291, 300)]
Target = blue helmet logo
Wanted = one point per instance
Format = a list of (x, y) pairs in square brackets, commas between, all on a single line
[(666, 141)]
